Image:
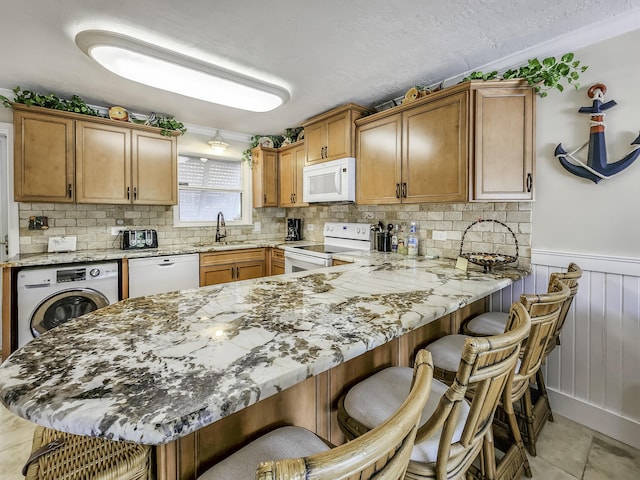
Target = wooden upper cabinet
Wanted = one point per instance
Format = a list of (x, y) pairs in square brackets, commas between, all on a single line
[(103, 163), (504, 144), (379, 161), (264, 177), (67, 157), (154, 168), (120, 166), (44, 157), (434, 151), (291, 160), (419, 155), (471, 142), (331, 136)]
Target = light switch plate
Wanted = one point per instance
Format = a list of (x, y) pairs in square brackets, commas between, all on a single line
[(62, 244)]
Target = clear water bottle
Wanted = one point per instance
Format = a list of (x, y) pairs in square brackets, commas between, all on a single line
[(394, 239), (412, 241)]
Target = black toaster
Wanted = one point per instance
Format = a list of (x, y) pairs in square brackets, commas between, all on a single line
[(134, 239)]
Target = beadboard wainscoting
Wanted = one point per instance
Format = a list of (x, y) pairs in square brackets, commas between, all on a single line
[(594, 376)]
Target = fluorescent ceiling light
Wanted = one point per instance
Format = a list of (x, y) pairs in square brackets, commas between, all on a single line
[(168, 70)]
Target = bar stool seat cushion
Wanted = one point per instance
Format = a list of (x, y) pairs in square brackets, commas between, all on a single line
[(284, 442), (489, 323), (446, 351), (373, 400)]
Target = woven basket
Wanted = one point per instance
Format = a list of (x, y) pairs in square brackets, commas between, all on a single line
[(83, 458), (489, 260)]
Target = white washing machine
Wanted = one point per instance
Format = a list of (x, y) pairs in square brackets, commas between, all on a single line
[(50, 296)]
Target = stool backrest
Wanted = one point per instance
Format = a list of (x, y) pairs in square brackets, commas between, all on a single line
[(487, 366), (570, 279), (382, 453), (544, 310)]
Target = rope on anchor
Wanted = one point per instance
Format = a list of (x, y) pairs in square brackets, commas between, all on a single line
[(578, 162)]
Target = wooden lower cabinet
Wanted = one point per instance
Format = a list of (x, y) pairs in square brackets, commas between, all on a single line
[(232, 266), (311, 403), (277, 261), (335, 262)]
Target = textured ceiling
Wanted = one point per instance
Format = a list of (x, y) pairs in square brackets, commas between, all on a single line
[(326, 53)]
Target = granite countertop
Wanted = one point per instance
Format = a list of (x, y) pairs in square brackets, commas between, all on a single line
[(83, 256), (154, 369)]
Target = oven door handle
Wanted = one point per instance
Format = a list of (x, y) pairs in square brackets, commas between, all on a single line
[(302, 257)]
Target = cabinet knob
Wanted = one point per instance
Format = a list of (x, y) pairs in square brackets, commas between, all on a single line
[(397, 190), (529, 182), (128, 193), (264, 198), (135, 193), (70, 190), (404, 189)]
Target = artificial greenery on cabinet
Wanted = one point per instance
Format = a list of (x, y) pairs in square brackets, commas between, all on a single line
[(167, 123)]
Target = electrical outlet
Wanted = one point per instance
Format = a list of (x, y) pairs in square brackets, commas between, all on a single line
[(439, 235), (117, 230), (311, 227)]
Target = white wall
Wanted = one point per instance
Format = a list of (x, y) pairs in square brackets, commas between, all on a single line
[(572, 214), (594, 377)]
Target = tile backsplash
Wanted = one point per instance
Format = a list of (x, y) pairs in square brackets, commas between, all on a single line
[(92, 224)]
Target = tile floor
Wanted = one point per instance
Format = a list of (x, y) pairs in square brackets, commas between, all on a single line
[(566, 451)]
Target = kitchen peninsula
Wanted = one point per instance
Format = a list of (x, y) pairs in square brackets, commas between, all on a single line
[(198, 372)]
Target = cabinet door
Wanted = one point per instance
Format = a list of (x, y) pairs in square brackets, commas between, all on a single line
[(286, 177), (378, 161), (434, 154), (504, 149), (264, 164), (43, 158), (154, 169), (299, 156), (215, 274), (103, 163), (338, 137), (245, 271), (314, 141)]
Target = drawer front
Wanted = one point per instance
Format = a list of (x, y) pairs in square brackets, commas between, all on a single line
[(232, 256)]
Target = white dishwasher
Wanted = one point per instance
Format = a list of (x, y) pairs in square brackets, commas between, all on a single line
[(151, 275)]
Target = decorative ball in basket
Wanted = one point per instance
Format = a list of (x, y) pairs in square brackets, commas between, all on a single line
[(489, 260)]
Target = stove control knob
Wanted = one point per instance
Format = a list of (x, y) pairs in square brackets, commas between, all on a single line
[(94, 272)]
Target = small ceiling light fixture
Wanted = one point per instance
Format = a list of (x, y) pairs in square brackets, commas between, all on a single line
[(217, 144), (168, 70)]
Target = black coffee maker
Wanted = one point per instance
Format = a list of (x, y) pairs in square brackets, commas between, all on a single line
[(294, 229)]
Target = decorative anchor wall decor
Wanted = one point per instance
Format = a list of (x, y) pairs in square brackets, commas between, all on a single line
[(596, 167)]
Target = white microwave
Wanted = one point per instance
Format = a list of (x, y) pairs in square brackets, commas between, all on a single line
[(333, 181)]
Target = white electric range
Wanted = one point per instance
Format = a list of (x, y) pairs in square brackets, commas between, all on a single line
[(338, 237)]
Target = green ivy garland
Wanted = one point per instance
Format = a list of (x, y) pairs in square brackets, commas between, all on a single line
[(166, 123)]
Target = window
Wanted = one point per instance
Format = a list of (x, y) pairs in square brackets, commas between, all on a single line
[(207, 186)]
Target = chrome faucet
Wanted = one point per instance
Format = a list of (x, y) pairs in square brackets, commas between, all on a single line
[(220, 223)]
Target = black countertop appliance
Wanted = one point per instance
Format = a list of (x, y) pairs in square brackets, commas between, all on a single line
[(294, 229)]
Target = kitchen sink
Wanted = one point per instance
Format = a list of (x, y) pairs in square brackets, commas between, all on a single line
[(222, 244)]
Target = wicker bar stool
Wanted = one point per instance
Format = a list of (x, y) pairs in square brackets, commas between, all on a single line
[(295, 453), (544, 310), (63, 456), (491, 322), (454, 430)]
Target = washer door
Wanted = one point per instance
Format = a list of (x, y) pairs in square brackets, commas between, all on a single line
[(63, 306)]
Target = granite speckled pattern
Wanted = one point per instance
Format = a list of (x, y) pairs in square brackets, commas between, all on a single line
[(153, 369)]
